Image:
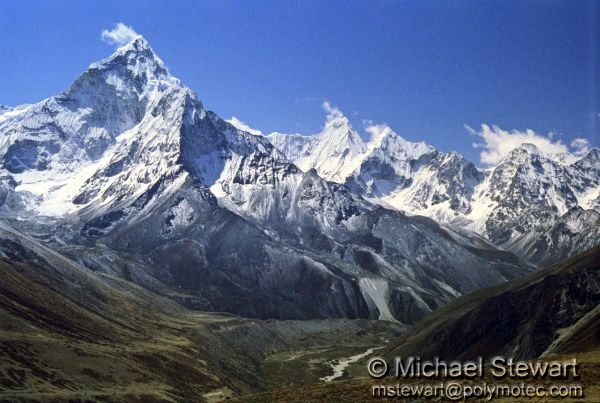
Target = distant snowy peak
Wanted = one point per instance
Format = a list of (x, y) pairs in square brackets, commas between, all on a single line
[(528, 153), (339, 138), (563, 158), (532, 191), (339, 152), (389, 141), (528, 177), (527, 191), (389, 170), (436, 184), (334, 153)]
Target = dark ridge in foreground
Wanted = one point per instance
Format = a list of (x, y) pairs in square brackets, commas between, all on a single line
[(555, 310), (553, 314)]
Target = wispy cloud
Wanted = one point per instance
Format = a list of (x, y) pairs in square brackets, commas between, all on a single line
[(580, 147), (376, 130), (306, 100), (243, 126), (379, 131), (332, 111), (497, 143), (119, 35)]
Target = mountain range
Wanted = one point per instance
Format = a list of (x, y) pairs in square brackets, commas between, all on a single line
[(151, 250), (531, 203), (129, 174)]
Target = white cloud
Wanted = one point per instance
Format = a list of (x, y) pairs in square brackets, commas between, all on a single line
[(580, 147), (120, 35), (376, 130), (332, 111), (238, 124), (497, 143)]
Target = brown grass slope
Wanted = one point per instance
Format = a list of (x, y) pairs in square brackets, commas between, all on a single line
[(68, 333), (361, 389)]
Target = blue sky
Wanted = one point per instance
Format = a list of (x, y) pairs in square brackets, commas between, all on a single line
[(425, 68)]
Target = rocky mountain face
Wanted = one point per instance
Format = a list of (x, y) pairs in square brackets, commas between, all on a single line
[(576, 230), (520, 205), (127, 173), (543, 209)]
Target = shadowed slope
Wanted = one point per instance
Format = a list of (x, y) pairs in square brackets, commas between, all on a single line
[(521, 318)]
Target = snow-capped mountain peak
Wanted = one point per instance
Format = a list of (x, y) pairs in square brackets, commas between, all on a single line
[(334, 153), (339, 138), (525, 150), (339, 152), (117, 131), (532, 176), (137, 50), (64, 133), (134, 63), (389, 141)]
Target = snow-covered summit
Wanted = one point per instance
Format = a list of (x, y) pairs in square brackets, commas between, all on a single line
[(136, 60), (527, 189), (122, 126), (523, 151), (338, 151), (389, 141), (338, 135), (83, 121), (333, 153)]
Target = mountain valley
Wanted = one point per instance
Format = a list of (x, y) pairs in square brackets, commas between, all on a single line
[(150, 250)]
